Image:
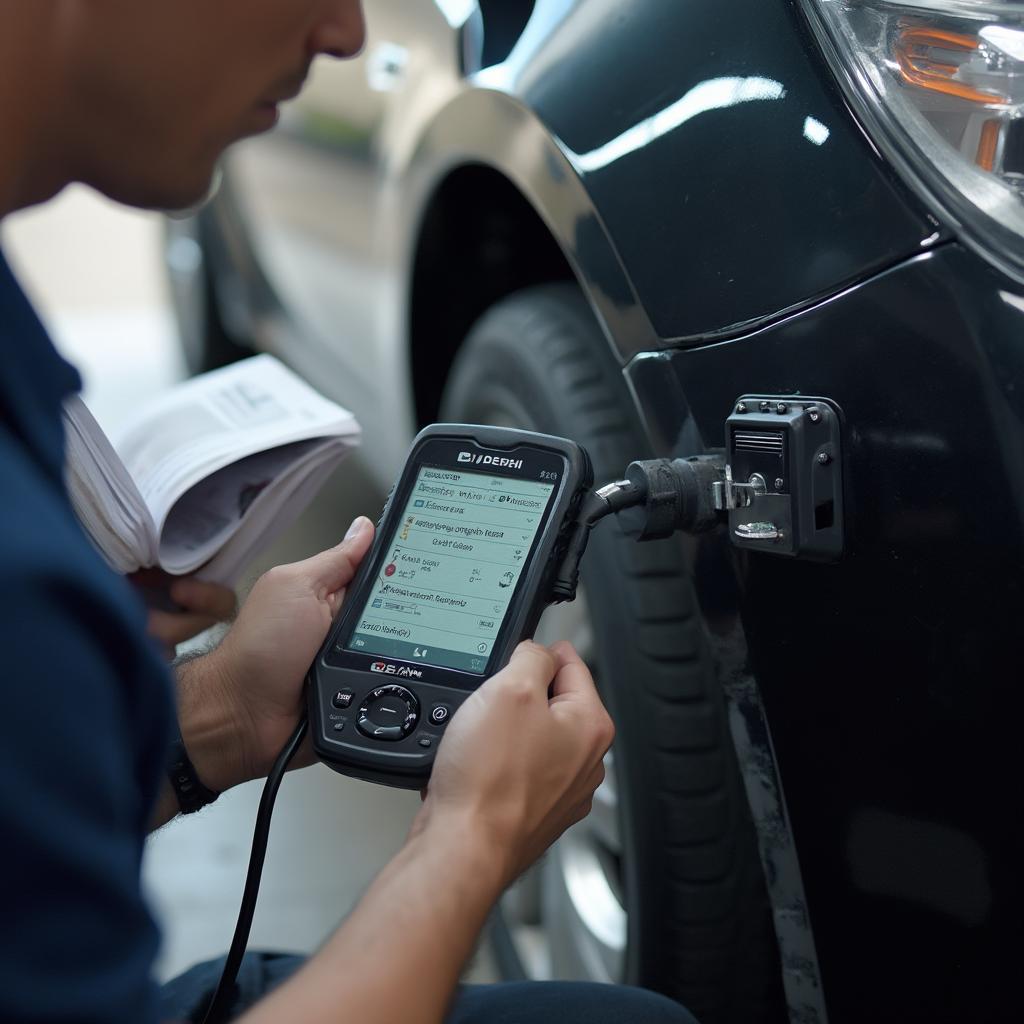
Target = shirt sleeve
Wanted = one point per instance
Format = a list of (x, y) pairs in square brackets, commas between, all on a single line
[(83, 721)]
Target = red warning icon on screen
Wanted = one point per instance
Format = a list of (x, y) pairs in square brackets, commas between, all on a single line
[(390, 570)]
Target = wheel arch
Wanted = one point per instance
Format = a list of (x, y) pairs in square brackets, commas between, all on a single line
[(464, 263), (494, 206)]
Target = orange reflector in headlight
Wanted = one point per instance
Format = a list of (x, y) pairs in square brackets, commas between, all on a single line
[(930, 58), (940, 87), (988, 146)]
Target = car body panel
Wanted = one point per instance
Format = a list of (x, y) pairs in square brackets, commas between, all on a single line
[(495, 130), (696, 128), (891, 680)]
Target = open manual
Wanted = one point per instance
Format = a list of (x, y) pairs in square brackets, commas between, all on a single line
[(208, 473)]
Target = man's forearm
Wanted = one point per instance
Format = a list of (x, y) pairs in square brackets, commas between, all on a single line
[(209, 734), (399, 955)]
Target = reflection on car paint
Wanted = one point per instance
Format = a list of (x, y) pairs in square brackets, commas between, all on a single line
[(714, 94), (815, 131)]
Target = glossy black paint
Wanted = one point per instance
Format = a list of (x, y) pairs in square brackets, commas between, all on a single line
[(688, 122), (891, 681)]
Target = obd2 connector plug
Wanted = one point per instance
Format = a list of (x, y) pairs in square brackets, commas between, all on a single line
[(655, 498)]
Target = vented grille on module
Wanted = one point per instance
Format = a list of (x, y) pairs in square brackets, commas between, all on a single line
[(768, 442)]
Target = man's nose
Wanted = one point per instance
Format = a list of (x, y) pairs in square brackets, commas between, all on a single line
[(341, 31)]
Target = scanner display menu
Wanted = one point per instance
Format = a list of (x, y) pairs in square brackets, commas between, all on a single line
[(451, 569)]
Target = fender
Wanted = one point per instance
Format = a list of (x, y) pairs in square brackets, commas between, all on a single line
[(494, 129), (701, 172)]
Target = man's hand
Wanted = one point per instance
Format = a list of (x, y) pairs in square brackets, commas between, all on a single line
[(181, 607), (240, 703), (518, 767)]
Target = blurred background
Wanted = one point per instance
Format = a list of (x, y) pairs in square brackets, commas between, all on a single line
[(95, 272)]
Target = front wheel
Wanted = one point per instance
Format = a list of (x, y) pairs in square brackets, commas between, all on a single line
[(661, 885)]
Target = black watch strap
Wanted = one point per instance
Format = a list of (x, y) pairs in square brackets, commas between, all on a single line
[(191, 793)]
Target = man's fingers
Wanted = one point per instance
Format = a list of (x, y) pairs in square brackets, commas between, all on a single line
[(172, 629), (333, 569), (573, 678), (204, 604), (203, 598), (596, 777), (565, 654), (531, 664)]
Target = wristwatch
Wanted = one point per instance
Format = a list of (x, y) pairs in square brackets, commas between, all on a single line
[(181, 772)]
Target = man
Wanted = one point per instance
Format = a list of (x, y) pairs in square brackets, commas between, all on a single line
[(139, 98)]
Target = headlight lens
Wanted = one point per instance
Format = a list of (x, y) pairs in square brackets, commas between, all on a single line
[(941, 85)]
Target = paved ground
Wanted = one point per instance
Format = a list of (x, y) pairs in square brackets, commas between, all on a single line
[(94, 270)]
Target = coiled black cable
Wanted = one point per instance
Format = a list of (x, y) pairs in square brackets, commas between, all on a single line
[(225, 991)]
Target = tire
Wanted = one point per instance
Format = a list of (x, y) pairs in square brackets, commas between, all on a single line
[(697, 924), (205, 341)]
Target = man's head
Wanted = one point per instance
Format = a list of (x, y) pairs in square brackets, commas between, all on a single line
[(141, 97)]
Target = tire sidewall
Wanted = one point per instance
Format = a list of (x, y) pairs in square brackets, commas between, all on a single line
[(509, 371)]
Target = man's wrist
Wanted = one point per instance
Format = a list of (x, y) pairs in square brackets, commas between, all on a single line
[(209, 724), (468, 843)]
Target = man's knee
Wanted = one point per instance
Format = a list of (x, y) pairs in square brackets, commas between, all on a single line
[(562, 1002), (621, 1003)]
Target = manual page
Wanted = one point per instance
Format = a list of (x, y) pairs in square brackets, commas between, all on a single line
[(207, 473)]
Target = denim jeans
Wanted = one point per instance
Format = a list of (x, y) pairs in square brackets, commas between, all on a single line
[(528, 1002)]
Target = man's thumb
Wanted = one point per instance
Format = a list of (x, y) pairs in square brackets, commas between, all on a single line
[(334, 569)]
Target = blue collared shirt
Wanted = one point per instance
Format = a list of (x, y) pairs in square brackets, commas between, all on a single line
[(85, 710)]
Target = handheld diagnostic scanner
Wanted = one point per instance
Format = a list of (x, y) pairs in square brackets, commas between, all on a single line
[(464, 562)]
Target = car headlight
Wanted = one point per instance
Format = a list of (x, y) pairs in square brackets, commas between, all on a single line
[(940, 85)]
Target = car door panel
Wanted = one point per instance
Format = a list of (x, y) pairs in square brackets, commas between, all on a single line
[(888, 679)]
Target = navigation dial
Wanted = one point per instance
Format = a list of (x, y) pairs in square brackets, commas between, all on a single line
[(389, 713)]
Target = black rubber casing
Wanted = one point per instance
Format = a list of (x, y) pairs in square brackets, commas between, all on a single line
[(406, 763)]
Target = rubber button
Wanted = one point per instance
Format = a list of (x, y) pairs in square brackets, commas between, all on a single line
[(389, 713), (440, 714), (391, 733), (343, 699), (338, 726), (387, 710), (424, 742)]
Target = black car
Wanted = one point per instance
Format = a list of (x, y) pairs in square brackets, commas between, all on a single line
[(791, 233)]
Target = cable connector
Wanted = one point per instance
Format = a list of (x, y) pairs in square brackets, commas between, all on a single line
[(678, 494), (611, 498), (654, 500)]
